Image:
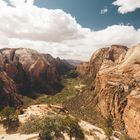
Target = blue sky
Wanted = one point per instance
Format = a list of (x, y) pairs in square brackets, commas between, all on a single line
[(87, 12), (69, 29)]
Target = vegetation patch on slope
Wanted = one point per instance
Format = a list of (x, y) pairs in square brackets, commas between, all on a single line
[(65, 94), (54, 127)]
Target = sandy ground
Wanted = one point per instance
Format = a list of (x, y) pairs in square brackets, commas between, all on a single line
[(91, 132), (18, 136), (39, 111), (2, 130)]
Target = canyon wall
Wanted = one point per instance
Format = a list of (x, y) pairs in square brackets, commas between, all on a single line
[(29, 71), (116, 74)]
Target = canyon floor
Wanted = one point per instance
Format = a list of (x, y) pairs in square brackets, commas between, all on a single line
[(43, 104)]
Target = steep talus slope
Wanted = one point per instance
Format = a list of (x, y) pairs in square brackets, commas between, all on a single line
[(116, 74)]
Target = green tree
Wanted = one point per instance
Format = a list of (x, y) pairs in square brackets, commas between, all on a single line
[(53, 128), (9, 119), (108, 124), (73, 129)]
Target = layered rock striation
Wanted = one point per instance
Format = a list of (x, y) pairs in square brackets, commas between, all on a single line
[(116, 74)]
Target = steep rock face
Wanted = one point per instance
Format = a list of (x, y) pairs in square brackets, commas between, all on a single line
[(118, 97), (83, 68), (31, 70), (131, 115), (8, 92), (112, 91), (62, 66), (14, 70), (42, 74), (114, 54), (132, 57), (102, 57), (114, 86), (116, 73)]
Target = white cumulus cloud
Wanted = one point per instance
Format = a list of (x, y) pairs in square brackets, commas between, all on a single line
[(126, 6), (56, 32), (103, 11)]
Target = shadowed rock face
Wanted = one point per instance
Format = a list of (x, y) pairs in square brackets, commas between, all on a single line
[(32, 71), (8, 92), (116, 74)]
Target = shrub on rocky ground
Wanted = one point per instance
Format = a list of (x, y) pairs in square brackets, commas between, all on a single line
[(50, 128), (9, 119)]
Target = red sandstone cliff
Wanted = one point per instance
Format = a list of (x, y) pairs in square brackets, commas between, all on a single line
[(8, 92), (31, 71), (83, 68), (116, 74)]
